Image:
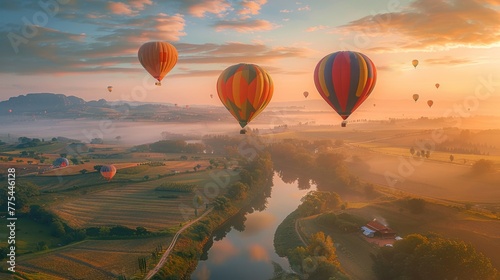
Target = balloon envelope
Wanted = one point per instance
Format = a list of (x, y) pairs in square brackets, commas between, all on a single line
[(306, 94), (414, 63), (437, 85), (345, 79), (430, 102), (110, 88), (108, 171), (60, 162), (415, 97), (245, 90), (158, 58)]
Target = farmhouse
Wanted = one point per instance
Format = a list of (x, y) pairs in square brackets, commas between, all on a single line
[(376, 229)]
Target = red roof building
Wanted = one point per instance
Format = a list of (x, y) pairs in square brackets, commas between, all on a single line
[(379, 230)]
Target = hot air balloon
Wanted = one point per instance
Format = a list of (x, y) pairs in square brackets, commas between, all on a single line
[(306, 94), (158, 58), (108, 171), (211, 96), (245, 90), (437, 85), (60, 162), (110, 88), (345, 79), (414, 63), (10, 110), (430, 102), (415, 97)]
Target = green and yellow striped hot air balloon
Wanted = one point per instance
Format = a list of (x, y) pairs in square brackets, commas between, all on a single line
[(245, 90)]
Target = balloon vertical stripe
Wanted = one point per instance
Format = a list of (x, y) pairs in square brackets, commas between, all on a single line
[(245, 90), (345, 79)]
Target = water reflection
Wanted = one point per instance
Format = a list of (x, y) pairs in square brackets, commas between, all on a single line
[(248, 251)]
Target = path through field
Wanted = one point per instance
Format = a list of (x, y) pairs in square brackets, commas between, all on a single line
[(172, 244)]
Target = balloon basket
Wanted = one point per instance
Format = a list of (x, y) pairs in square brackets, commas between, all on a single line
[(344, 124), (243, 131), (157, 84)]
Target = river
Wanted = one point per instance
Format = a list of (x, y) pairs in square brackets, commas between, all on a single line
[(247, 250)]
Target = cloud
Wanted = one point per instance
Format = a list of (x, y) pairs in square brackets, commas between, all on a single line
[(134, 6), (198, 8), (119, 8), (304, 8), (54, 51), (139, 4), (448, 60), (316, 28), (235, 53), (251, 7), (285, 11), (244, 26), (435, 24)]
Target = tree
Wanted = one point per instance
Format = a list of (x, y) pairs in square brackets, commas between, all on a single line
[(482, 166), (237, 191), (416, 205), (75, 160), (434, 258), (83, 171), (412, 150), (57, 228), (452, 158), (197, 203), (221, 203), (97, 168)]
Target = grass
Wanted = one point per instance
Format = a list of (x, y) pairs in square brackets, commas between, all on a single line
[(28, 234), (352, 251)]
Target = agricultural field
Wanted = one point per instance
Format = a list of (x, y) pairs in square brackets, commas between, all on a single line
[(134, 204), (92, 259)]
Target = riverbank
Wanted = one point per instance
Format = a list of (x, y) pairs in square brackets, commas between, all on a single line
[(254, 185)]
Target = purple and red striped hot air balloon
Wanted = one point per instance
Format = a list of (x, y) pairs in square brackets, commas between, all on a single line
[(345, 79)]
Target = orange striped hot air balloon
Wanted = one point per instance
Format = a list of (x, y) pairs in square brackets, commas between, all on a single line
[(108, 171), (345, 79), (158, 58), (245, 90)]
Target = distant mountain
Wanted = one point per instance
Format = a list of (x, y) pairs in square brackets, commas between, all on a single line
[(42, 103)]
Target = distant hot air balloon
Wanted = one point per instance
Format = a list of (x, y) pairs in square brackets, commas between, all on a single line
[(430, 102), (211, 96), (110, 88), (245, 90), (414, 63), (60, 162), (415, 97), (108, 171), (158, 58), (306, 94), (345, 79), (10, 110), (437, 85)]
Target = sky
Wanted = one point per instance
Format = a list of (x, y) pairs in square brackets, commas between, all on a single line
[(79, 47)]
